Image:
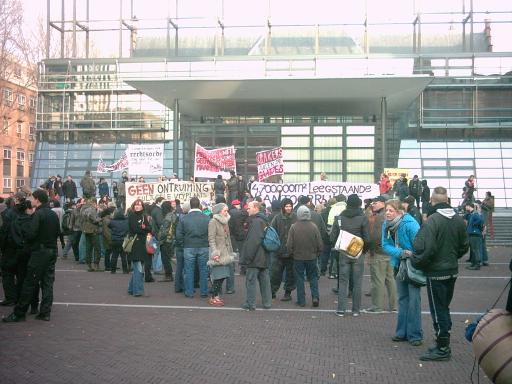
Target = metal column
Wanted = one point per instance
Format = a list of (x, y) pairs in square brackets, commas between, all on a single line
[(383, 118), (175, 136)]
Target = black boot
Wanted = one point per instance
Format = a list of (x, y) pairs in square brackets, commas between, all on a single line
[(287, 296), (13, 318), (441, 352)]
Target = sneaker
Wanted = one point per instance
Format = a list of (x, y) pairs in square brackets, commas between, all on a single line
[(437, 354), (416, 343), (340, 313), (373, 310), (43, 316), (246, 307), (301, 304), (316, 303), (230, 292), (332, 277), (355, 314), (13, 318), (473, 267), (398, 339), (485, 264)]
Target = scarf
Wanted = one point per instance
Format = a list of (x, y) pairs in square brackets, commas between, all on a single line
[(392, 226)]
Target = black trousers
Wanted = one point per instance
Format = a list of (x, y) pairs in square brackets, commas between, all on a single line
[(92, 244), (8, 266), (148, 261), (22, 258), (40, 269), (117, 250), (166, 251), (440, 294), (278, 267)]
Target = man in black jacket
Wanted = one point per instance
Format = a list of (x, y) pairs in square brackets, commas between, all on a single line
[(441, 241), (42, 237), (256, 260), (283, 261), (192, 236)]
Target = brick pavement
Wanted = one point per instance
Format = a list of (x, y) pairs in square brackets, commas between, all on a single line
[(166, 338)]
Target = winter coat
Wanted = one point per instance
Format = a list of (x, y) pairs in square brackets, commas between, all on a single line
[(90, 219), (304, 241), (105, 231), (57, 186), (415, 213), (88, 186), (232, 185), (192, 230), (375, 221), (475, 223), (441, 241), (118, 228), (157, 219), (76, 220), (282, 224), (219, 187), (69, 189), (384, 186), (103, 189), (415, 187), (219, 240), (253, 254), (44, 228), (402, 190), (138, 224), (406, 233), (236, 223)]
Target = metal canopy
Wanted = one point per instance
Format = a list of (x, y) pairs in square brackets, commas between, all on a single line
[(284, 96)]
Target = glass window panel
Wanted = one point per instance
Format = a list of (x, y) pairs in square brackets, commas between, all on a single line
[(301, 130), (455, 153), (78, 163), (461, 163), (295, 166), (409, 163), (507, 174), (329, 130), (490, 183), (493, 144), (360, 130), (433, 153), (497, 192), (328, 154), (506, 144), (360, 178), (488, 163), (360, 154), (506, 152), (328, 141), (434, 163), (409, 144), (333, 166), (291, 141), (295, 178), (434, 172), (360, 166), (433, 145), (488, 153), (460, 172), (409, 153), (456, 144), (330, 176), (360, 141), (507, 163), (79, 155), (296, 154)]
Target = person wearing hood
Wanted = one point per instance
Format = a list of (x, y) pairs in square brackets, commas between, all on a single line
[(304, 245), (398, 233), (440, 243), (256, 260), (354, 221), (118, 229), (221, 251), (283, 261)]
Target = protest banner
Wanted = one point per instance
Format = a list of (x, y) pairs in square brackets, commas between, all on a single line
[(170, 190), (270, 163), (318, 191), (119, 165), (395, 173), (145, 159), (210, 163)]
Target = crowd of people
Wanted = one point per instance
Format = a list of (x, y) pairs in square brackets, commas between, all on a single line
[(405, 222)]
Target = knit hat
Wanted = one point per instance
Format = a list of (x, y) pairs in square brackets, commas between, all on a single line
[(303, 213), (276, 205), (285, 202), (217, 208), (379, 198), (235, 202), (353, 201)]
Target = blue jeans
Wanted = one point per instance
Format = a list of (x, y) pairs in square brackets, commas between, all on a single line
[(483, 253), (230, 281), (408, 324), (136, 284), (263, 277), (324, 258), (179, 285), (193, 256), (350, 269), (312, 273), (475, 249)]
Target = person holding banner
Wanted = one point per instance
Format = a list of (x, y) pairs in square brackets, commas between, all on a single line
[(232, 185)]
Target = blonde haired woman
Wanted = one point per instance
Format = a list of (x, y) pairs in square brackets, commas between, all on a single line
[(221, 251), (398, 233)]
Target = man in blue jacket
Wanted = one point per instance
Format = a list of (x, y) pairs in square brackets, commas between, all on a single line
[(192, 236), (475, 224)]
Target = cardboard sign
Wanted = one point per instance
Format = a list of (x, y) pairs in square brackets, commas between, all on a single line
[(270, 163)]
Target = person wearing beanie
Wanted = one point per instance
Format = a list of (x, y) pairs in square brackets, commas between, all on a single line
[(304, 245), (221, 251), (282, 261), (354, 221)]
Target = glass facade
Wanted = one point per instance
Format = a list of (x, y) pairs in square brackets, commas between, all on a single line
[(449, 164)]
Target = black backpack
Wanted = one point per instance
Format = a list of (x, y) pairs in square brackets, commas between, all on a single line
[(67, 225)]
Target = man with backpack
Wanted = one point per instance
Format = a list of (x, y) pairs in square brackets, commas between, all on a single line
[(283, 261), (256, 259)]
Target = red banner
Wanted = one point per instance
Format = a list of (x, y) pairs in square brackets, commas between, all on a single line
[(270, 163), (210, 163)]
